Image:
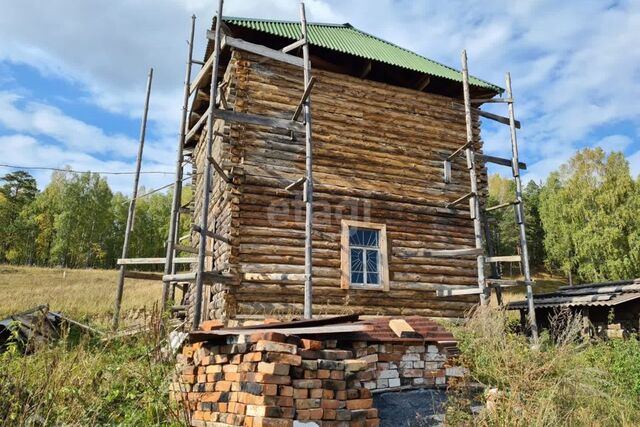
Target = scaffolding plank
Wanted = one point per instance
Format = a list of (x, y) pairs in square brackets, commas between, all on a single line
[(504, 258), (207, 276), (506, 283), (500, 161), (197, 126), (142, 275), (467, 290), (254, 119), (145, 261), (206, 68), (491, 101)]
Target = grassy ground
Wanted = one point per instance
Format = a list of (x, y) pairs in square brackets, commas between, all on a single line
[(80, 294)]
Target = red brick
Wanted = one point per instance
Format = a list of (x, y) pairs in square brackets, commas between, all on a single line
[(290, 359), (300, 393), (311, 344), (271, 346), (211, 325), (315, 413), (285, 390), (273, 368), (359, 404)]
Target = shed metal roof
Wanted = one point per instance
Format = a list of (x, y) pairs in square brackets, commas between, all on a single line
[(595, 294), (349, 40)]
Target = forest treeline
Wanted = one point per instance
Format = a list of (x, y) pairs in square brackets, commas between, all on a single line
[(76, 221), (583, 222)]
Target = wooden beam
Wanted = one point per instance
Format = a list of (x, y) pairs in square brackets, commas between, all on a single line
[(439, 253), (449, 292), (423, 82), (506, 258), (459, 200), (207, 276), (211, 234), (142, 275), (197, 126), (305, 95), (366, 70), (402, 329), (219, 169), (257, 49), (296, 184), (259, 120), (204, 71), (497, 118), (500, 161), (491, 100), (145, 261), (506, 283), (273, 277), (293, 45), (191, 250)]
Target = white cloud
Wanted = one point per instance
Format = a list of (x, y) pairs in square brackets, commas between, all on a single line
[(25, 150), (575, 65)]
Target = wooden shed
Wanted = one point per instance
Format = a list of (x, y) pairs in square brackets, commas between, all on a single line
[(384, 119)]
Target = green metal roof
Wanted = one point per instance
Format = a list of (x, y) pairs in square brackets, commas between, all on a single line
[(347, 39)]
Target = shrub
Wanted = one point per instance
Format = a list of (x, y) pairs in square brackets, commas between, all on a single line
[(557, 383)]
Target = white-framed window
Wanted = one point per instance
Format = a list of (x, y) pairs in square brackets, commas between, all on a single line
[(364, 256)]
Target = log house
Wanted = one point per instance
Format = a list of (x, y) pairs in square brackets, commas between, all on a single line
[(384, 119)]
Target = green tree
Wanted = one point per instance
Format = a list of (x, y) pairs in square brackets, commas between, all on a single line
[(589, 212), (18, 191)]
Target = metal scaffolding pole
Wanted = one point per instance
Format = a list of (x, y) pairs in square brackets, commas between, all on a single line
[(204, 216), (524, 252), (132, 204), (177, 188), (308, 183), (475, 197)]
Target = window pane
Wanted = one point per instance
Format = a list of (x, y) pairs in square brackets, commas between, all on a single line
[(363, 237), (372, 261), (373, 278), (357, 278), (356, 260)]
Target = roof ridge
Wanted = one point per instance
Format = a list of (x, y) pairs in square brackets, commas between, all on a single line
[(284, 21)]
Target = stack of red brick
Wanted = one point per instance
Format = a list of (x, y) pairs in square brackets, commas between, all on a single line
[(267, 381)]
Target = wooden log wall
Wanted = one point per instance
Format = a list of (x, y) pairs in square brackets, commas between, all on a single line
[(378, 156)]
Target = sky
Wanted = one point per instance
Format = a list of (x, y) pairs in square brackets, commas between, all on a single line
[(73, 73)]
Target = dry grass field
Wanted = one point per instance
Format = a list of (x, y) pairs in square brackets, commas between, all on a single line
[(80, 294)]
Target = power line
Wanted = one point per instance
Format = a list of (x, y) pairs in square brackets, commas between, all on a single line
[(76, 171)]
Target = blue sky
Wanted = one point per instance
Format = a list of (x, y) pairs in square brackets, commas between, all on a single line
[(72, 74)]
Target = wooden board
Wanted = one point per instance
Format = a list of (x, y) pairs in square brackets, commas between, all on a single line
[(402, 329)]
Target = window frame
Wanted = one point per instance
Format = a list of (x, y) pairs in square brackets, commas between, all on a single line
[(345, 255)]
